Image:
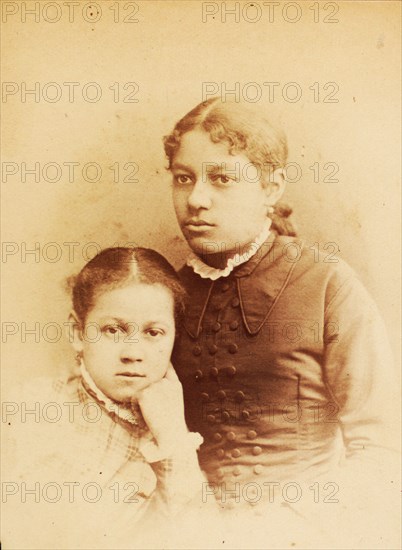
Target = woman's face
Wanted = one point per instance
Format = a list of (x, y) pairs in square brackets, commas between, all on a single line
[(128, 338), (219, 199)]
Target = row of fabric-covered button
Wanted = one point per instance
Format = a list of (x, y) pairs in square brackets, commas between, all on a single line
[(232, 348), (226, 416), (216, 327), (257, 469), (236, 453), (217, 306), (221, 395), (223, 284), (214, 372), (239, 396), (213, 349)]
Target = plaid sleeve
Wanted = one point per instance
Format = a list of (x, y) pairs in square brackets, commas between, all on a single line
[(179, 481)]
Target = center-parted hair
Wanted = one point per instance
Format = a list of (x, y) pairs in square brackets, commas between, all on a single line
[(118, 267), (246, 130)]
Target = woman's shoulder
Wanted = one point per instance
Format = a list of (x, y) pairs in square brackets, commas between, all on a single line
[(318, 260), (313, 269)]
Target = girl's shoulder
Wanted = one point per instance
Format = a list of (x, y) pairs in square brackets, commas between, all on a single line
[(34, 422), (42, 390)]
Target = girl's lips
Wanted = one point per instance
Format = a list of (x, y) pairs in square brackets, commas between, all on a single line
[(130, 374)]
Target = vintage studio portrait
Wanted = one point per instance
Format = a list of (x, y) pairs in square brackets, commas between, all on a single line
[(200, 275)]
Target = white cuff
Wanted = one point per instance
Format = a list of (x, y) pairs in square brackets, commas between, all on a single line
[(190, 443)]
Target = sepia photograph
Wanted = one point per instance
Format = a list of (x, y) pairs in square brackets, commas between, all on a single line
[(200, 274)]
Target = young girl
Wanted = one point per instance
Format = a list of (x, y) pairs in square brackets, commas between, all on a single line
[(107, 454), (284, 360)]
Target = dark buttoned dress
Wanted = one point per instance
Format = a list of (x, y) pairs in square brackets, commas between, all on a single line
[(285, 367)]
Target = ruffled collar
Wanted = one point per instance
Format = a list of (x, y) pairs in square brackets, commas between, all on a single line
[(205, 271), (128, 413)]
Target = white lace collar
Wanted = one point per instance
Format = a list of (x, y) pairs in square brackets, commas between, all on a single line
[(125, 413), (205, 271)]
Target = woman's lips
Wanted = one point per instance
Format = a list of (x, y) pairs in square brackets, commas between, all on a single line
[(198, 225)]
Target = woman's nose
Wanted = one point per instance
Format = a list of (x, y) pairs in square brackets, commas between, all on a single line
[(200, 196)]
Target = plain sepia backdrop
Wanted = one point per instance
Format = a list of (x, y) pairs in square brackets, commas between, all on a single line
[(170, 54)]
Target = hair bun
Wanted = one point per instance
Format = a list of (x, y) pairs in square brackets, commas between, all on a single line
[(280, 223), (283, 210), (70, 282)]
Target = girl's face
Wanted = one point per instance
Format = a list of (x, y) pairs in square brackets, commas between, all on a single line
[(218, 197), (128, 338)]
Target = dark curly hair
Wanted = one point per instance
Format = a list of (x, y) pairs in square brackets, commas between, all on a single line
[(245, 130)]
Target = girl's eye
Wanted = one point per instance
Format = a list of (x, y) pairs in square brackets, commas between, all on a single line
[(155, 332), (182, 179)]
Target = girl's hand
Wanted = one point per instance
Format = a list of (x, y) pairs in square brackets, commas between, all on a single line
[(162, 407)]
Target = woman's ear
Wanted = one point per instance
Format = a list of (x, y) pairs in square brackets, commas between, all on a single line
[(75, 332), (274, 186)]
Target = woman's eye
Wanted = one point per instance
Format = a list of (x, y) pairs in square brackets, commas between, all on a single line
[(182, 179), (222, 179), (111, 330)]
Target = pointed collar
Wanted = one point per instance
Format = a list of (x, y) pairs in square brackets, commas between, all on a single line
[(259, 284)]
